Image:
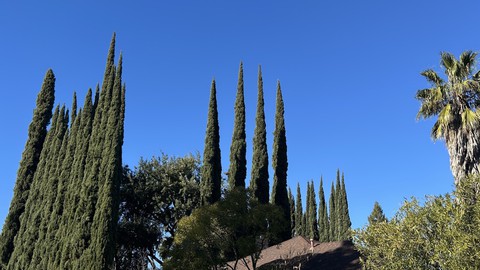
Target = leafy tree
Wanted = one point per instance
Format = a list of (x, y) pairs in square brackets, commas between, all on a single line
[(280, 162), (212, 164), (237, 172), (37, 132), (377, 215), (154, 198), (455, 101), (235, 229), (259, 181), (440, 234)]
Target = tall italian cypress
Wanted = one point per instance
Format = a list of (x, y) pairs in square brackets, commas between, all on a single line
[(333, 215), (37, 132), (307, 225), (345, 223), (313, 222), (212, 165), (31, 219), (291, 200), (237, 171), (259, 181), (279, 161), (338, 207), (323, 224), (299, 213)]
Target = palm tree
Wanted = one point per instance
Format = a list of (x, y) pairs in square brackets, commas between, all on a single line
[(456, 102)]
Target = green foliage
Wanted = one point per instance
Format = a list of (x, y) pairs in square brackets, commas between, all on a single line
[(440, 234), (333, 215), (259, 181), (237, 171), (230, 230), (299, 213), (323, 224), (154, 198), (312, 222), (212, 163), (37, 132), (291, 200), (344, 223), (377, 215), (280, 162)]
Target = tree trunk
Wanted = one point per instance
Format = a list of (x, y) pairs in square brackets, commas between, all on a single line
[(464, 151)]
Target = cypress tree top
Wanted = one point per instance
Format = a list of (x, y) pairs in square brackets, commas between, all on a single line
[(28, 165), (237, 172), (212, 166), (259, 181), (279, 160)]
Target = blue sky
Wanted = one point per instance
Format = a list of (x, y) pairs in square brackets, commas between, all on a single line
[(349, 72)]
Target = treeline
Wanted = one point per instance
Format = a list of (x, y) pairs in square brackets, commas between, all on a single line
[(330, 225), (64, 211), (76, 206)]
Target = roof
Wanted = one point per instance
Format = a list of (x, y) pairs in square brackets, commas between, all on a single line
[(298, 250)]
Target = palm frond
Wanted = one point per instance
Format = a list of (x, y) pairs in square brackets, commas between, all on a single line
[(448, 61), (432, 77), (476, 76), (437, 131), (469, 118), (468, 60)]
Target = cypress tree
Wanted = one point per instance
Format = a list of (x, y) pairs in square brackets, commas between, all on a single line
[(377, 215), (68, 247), (52, 245), (280, 163), (74, 108), (345, 224), (292, 212), (100, 254), (212, 163), (259, 181), (338, 208), (323, 225), (37, 132), (313, 222), (308, 205), (49, 191), (30, 220), (333, 215), (89, 245), (237, 172), (299, 213)]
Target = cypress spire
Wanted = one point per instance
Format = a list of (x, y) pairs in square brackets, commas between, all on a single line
[(333, 216), (212, 163), (307, 212), (345, 223), (291, 200), (37, 132), (279, 161), (259, 181), (299, 213), (313, 223), (238, 150), (323, 225), (338, 207), (74, 108)]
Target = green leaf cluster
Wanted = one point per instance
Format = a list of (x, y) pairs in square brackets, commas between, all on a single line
[(441, 233)]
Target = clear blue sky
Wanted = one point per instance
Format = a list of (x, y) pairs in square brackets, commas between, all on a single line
[(349, 72)]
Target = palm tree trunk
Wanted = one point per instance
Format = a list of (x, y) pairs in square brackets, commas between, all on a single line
[(464, 151)]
